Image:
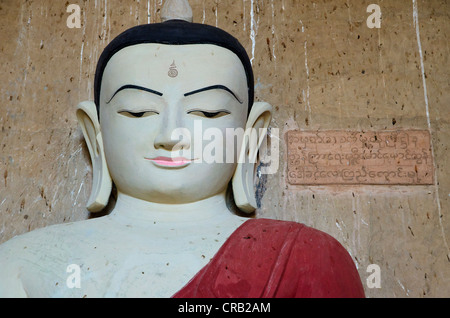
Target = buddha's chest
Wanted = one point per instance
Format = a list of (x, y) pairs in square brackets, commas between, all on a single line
[(157, 268), (158, 273), (151, 275)]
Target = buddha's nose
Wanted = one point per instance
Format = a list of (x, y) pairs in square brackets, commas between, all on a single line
[(172, 136)]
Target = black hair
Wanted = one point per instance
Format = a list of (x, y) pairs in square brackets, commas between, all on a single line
[(173, 32)]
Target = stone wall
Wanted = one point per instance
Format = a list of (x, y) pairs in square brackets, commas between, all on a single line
[(320, 66)]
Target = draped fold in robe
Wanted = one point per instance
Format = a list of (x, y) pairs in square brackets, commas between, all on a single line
[(277, 259)]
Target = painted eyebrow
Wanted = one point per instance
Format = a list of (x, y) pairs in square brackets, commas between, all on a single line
[(211, 88), (145, 89)]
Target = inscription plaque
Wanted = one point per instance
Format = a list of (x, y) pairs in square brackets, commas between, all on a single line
[(353, 157)]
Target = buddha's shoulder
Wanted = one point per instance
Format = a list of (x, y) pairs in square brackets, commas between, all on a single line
[(31, 260), (298, 233), (62, 237), (272, 226)]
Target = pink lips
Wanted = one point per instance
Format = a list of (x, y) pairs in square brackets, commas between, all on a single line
[(170, 162)]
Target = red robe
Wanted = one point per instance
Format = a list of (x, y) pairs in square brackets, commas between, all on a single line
[(277, 259)]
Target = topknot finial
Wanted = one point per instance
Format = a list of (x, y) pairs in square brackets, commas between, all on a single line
[(176, 10)]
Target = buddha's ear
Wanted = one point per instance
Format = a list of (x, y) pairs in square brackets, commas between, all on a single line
[(255, 131), (101, 179)]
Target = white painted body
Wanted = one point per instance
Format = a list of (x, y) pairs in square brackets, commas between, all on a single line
[(135, 251)]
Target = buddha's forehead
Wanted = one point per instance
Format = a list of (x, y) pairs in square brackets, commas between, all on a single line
[(190, 66)]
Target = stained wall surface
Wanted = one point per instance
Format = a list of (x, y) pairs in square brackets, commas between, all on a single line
[(318, 64)]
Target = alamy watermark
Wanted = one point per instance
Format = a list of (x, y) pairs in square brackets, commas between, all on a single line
[(214, 145), (374, 279), (74, 279), (74, 19), (374, 20)]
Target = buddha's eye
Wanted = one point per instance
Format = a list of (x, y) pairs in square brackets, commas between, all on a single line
[(131, 114), (206, 114)]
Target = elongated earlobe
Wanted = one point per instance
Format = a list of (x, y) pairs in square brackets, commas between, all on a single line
[(243, 186), (101, 180)]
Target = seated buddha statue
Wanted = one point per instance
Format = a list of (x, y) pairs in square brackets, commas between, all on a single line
[(173, 231)]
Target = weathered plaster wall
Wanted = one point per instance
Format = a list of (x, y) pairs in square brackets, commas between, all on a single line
[(316, 62)]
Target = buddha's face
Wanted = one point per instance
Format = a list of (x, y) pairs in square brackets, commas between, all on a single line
[(149, 91)]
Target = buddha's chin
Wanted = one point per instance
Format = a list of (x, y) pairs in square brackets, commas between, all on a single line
[(175, 185), (171, 194)]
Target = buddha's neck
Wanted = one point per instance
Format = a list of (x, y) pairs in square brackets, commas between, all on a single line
[(130, 208)]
